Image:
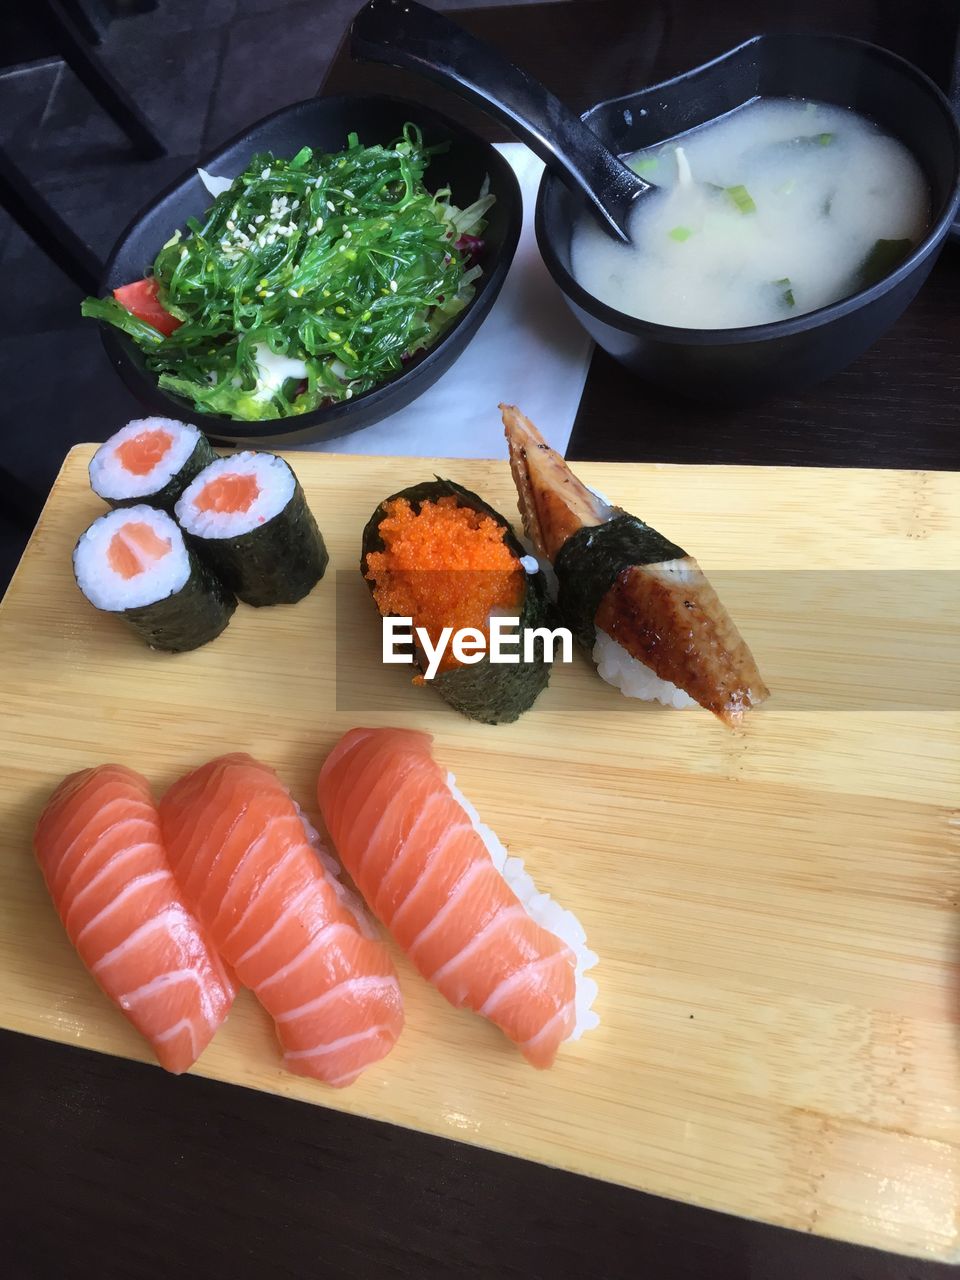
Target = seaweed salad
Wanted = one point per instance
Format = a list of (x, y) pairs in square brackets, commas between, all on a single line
[(306, 282)]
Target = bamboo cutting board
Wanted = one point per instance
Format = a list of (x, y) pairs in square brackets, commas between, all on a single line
[(776, 910)]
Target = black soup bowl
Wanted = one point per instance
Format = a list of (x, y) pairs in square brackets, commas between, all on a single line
[(323, 123), (738, 365)]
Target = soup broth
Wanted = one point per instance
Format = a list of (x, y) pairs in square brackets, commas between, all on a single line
[(777, 209)]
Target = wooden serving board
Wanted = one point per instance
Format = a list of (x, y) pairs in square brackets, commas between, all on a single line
[(776, 910)]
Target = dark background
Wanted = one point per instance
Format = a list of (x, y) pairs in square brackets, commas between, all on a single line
[(112, 1168)]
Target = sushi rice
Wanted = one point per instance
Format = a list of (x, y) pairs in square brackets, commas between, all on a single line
[(634, 679), (543, 910), (332, 872), (149, 459)]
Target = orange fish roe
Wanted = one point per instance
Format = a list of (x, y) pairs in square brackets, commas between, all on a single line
[(228, 492), (444, 566), (141, 454)]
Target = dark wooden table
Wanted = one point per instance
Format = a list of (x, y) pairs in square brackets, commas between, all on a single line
[(112, 1169)]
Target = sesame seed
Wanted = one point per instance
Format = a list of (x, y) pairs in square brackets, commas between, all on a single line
[(293, 293), (271, 238), (348, 394), (258, 219), (331, 206), (341, 248), (265, 173), (295, 205), (393, 286), (319, 224), (347, 234), (348, 193), (231, 225), (354, 209), (268, 293)]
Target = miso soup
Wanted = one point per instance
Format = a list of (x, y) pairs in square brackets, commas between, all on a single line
[(781, 207)]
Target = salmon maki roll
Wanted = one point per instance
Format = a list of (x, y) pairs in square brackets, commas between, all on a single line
[(251, 869), (150, 460), (99, 847), (470, 918)]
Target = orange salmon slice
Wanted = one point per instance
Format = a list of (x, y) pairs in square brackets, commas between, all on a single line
[(228, 493), (242, 855), (141, 453), (424, 869), (135, 548), (99, 847)]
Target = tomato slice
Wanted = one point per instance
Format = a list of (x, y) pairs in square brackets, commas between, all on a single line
[(140, 299)]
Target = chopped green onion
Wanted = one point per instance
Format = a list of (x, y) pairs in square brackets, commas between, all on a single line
[(680, 234), (786, 291), (824, 139), (742, 198), (643, 165)]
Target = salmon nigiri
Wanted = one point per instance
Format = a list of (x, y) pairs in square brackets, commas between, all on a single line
[(250, 869), (637, 602), (469, 917), (99, 847)]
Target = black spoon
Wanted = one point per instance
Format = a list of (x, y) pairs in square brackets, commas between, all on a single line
[(409, 35)]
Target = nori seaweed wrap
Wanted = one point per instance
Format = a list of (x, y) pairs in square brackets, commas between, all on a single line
[(592, 559), (149, 460), (133, 562), (248, 518), (493, 693)]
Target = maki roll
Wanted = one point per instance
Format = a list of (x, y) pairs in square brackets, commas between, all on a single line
[(248, 518), (149, 460), (438, 554), (638, 603), (134, 562)]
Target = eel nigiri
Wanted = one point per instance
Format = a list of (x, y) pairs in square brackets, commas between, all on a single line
[(251, 869), (637, 601), (470, 918), (99, 846)]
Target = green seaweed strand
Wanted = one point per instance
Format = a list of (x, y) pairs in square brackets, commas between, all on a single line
[(344, 261)]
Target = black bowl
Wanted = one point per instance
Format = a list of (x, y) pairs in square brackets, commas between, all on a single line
[(737, 365), (324, 123)]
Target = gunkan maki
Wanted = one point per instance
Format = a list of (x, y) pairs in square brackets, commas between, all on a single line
[(438, 554), (247, 516), (133, 562)]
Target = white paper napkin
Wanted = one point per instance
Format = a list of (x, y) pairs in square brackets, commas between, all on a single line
[(529, 351)]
